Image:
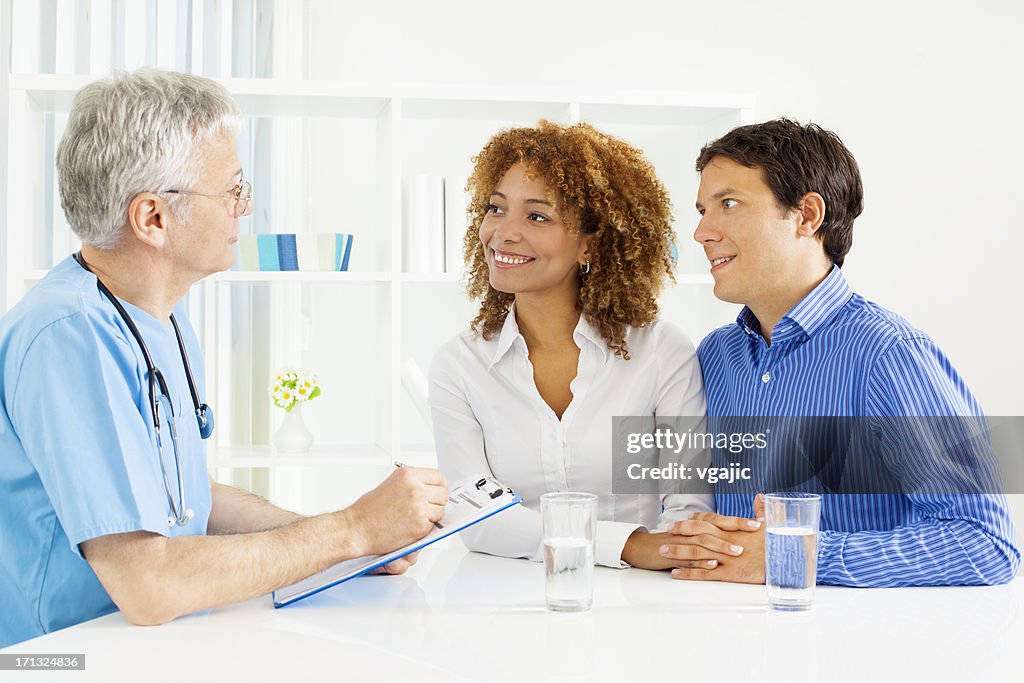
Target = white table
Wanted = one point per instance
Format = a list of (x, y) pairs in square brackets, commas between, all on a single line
[(464, 616)]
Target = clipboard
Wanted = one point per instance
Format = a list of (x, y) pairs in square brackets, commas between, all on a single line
[(470, 502)]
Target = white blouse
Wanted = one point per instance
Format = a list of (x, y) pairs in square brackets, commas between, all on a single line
[(489, 419)]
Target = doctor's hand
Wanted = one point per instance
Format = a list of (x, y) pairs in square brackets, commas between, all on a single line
[(399, 566), (709, 530), (402, 509)]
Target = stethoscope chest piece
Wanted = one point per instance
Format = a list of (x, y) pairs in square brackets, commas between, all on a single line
[(204, 415)]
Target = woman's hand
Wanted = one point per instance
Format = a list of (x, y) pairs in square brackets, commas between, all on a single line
[(666, 550)]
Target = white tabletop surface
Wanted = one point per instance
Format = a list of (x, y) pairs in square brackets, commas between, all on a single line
[(465, 616)]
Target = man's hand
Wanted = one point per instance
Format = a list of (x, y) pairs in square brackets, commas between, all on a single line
[(708, 529), (402, 509), (667, 550)]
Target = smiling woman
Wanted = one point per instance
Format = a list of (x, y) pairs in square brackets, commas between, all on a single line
[(592, 185), (569, 247), (528, 241)]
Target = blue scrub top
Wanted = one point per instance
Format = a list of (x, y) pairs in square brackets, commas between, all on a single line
[(78, 456)]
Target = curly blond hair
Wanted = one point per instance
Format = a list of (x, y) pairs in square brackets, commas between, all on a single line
[(613, 192)]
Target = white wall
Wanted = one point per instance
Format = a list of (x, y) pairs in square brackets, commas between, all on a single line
[(927, 95)]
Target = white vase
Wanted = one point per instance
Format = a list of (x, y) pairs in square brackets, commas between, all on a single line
[(293, 436)]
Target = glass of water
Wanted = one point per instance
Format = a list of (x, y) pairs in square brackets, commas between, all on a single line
[(791, 549), (569, 520)]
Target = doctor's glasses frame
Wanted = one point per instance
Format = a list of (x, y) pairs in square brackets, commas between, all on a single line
[(240, 196)]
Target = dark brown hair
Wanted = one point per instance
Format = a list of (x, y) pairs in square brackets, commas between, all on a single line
[(613, 192), (796, 159)]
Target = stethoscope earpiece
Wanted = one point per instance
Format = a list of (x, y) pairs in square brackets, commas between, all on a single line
[(183, 520)]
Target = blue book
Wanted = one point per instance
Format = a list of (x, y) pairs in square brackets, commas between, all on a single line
[(287, 255), (347, 239), (472, 501), (267, 245)]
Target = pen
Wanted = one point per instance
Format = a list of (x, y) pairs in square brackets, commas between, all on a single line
[(399, 464)]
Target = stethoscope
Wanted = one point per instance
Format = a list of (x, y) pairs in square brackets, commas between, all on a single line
[(180, 515)]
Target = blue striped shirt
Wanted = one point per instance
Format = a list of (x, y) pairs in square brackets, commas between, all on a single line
[(835, 353)]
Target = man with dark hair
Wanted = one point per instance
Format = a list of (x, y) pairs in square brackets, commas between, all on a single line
[(777, 202)]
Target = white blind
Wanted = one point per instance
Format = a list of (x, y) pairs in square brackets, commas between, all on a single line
[(216, 38)]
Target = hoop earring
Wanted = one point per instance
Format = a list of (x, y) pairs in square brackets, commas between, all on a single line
[(585, 269)]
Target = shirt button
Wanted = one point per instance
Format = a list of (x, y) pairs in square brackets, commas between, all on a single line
[(766, 378)]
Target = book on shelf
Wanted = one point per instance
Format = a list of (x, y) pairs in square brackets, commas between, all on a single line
[(423, 224), (304, 251), (456, 202)]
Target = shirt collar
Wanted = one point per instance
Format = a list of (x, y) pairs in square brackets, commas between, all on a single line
[(810, 313), (584, 332), (508, 336)]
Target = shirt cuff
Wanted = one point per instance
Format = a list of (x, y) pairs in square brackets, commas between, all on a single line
[(830, 555), (609, 541)]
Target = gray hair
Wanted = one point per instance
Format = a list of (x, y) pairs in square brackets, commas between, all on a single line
[(136, 132)]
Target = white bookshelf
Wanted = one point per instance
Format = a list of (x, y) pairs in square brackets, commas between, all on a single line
[(347, 148)]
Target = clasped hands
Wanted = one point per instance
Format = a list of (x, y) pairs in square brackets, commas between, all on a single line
[(705, 547)]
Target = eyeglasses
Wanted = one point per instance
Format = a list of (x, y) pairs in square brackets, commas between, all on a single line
[(240, 195)]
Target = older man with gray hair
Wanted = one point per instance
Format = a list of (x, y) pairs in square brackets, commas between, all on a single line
[(106, 501)]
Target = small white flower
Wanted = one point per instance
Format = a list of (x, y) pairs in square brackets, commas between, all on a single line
[(292, 386)]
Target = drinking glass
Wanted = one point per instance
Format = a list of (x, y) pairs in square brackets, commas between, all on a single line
[(791, 549), (569, 520)]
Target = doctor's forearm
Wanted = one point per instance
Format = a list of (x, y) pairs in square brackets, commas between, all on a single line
[(239, 512), (153, 579)]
